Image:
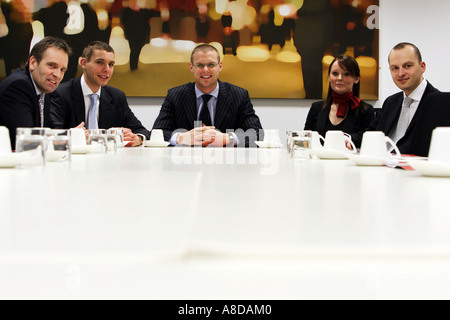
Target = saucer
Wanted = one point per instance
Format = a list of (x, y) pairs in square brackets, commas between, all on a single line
[(268, 144), (429, 168), (323, 153), (123, 144), (9, 160), (156, 144), (82, 149), (362, 160)]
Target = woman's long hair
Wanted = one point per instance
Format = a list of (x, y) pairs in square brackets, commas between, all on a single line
[(350, 65)]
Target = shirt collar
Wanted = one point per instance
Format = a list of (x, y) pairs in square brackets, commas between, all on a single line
[(38, 92), (417, 94), (86, 90), (214, 93)]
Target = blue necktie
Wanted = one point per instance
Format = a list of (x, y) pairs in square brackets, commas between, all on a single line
[(205, 116), (92, 113)]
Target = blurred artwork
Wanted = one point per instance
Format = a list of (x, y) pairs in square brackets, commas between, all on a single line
[(273, 48)]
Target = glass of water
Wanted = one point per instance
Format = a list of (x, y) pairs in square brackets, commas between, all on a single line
[(59, 146), (97, 139), (301, 145), (31, 145)]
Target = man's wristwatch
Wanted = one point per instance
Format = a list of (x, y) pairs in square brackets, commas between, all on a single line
[(232, 140)]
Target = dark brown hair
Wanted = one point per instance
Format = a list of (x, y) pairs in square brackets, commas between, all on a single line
[(48, 42), (350, 65), (95, 45)]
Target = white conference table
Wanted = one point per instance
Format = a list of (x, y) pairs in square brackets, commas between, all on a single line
[(182, 223)]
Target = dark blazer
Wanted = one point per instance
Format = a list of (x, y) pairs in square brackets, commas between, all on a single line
[(389, 115), (19, 104), (355, 124), (234, 110), (68, 109), (435, 114)]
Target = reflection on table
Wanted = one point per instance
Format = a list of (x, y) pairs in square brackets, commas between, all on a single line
[(193, 223)]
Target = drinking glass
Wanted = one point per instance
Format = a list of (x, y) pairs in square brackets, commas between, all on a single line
[(301, 145), (59, 146), (97, 139), (118, 133), (288, 141)]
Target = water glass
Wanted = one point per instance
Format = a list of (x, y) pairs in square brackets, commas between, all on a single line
[(97, 139), (59, 146), (118, 133), (31, 145), (301, 145)]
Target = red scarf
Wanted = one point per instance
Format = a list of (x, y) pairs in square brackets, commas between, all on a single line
[(343, 100)]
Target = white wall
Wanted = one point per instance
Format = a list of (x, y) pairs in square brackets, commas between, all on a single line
[(424, 23)]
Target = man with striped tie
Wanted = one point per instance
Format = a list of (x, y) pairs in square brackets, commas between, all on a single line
[(208, 111), (24, 99)]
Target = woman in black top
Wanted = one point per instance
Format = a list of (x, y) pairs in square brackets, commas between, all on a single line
[(342, 110)]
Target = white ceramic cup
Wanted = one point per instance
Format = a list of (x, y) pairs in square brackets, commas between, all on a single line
[(5, 142), (315, 140), (78, 137), (375, 144), (440, 145), (336, 140), (272, 136), (157, 135)]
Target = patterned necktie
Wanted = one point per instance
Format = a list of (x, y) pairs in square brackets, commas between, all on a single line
[(403, 120), (41, 108), (205, 117), (92, 113)]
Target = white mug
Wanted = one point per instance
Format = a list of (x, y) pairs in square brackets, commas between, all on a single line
[(157, 135), (374, 144), (5, 142), (78, 137), (272, 136), (440, 145), (336, 140), (315, 141)]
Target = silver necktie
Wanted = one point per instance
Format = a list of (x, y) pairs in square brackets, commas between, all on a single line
[(403, 120), (41, 108), (92, 113)]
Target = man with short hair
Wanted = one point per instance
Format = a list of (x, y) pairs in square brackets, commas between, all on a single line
[(89, 101), (24, 100), (402, 113), (208, 111)]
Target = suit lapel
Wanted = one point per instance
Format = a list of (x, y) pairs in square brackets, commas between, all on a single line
[(189, 106), (428, 90), (350, 120), (35, 99), (221, 106), (106, 110), (78, 102), (322, 118), (395, 112)]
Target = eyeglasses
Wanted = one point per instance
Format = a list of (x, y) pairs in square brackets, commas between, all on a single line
[(202, 66)]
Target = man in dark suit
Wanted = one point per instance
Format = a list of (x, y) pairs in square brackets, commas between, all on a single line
[(89, 100), (400, 116), (228, 118), (24, 101)]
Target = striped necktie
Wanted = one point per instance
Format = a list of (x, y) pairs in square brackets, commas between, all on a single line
[(205, 116)]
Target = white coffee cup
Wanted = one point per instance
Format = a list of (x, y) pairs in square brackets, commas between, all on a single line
[(78, 137), (157, 135), (440, 145), (272, 136), (336, 140), (315, 141), (5, 142), (374, 144)]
